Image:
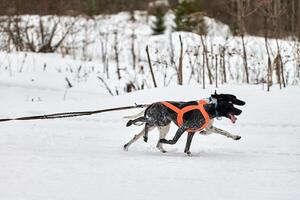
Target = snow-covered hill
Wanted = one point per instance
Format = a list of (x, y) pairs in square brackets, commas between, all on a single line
[(89, 51)]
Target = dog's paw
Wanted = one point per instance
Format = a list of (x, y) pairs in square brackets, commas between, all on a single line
[(125, 148), (145, 139), (129, 123), (162, 150), (237, 137), (188, 153), (163, 141)]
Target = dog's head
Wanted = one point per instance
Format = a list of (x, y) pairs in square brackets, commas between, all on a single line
[(229, 98), (227, 109)]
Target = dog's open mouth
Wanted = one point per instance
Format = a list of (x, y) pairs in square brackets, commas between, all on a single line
[(232, 117)]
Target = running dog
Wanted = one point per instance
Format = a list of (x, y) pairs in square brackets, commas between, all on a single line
[(191, 117)]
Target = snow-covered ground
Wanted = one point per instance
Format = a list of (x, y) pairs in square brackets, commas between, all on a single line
[(82, 158)]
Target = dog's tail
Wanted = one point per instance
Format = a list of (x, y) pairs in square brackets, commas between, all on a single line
[(136, 115)]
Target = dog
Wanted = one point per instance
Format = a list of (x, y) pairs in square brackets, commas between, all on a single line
[(191, 117)]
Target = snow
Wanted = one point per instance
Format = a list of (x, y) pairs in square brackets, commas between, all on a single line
[(82, 158)]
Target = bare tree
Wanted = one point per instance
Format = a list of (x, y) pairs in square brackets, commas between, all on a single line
[(203, 66), (133, 37), (116, 50), (269, 65), (27, 37), (150, 65), (222, 63), (216, 66), (205, 57), (241, 9), (273, 11), (104, 52), (180, 71)]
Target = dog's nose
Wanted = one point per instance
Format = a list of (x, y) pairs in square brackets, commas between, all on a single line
[(239, 102)]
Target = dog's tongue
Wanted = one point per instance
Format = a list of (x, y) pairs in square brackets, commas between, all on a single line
[(232, 118)]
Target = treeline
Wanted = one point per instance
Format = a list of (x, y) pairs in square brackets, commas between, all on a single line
[(279, 18), (69, 7)]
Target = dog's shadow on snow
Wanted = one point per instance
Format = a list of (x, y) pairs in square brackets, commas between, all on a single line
[(178, 153)]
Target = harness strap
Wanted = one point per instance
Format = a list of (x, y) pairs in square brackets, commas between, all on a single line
[(181, 112), (204, 113)]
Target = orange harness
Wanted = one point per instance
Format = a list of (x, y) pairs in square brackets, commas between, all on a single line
[(181, 112)]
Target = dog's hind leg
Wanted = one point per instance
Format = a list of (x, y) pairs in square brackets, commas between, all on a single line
[(178, 134), (140, 119), (146, 132), (135, 138), (225, 133), (163, 131), (190, 136)]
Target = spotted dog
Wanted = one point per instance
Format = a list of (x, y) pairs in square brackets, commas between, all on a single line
[(191, 117)]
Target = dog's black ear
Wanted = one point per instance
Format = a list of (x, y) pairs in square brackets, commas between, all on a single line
[(238, 102), (215, 95)]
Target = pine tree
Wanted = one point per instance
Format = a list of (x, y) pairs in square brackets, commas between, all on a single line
[(159, 23), (91, 7), (182, 12)]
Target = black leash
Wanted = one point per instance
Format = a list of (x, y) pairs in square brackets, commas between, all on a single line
[(71, 114)]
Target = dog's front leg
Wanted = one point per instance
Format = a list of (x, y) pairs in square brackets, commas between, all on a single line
[(163, 131), (225, 133), (190, 136), (178, 134)]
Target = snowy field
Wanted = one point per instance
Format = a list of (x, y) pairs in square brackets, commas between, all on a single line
[(82, 158)]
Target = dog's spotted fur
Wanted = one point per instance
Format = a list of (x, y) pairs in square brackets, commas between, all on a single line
[(158, 115)]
